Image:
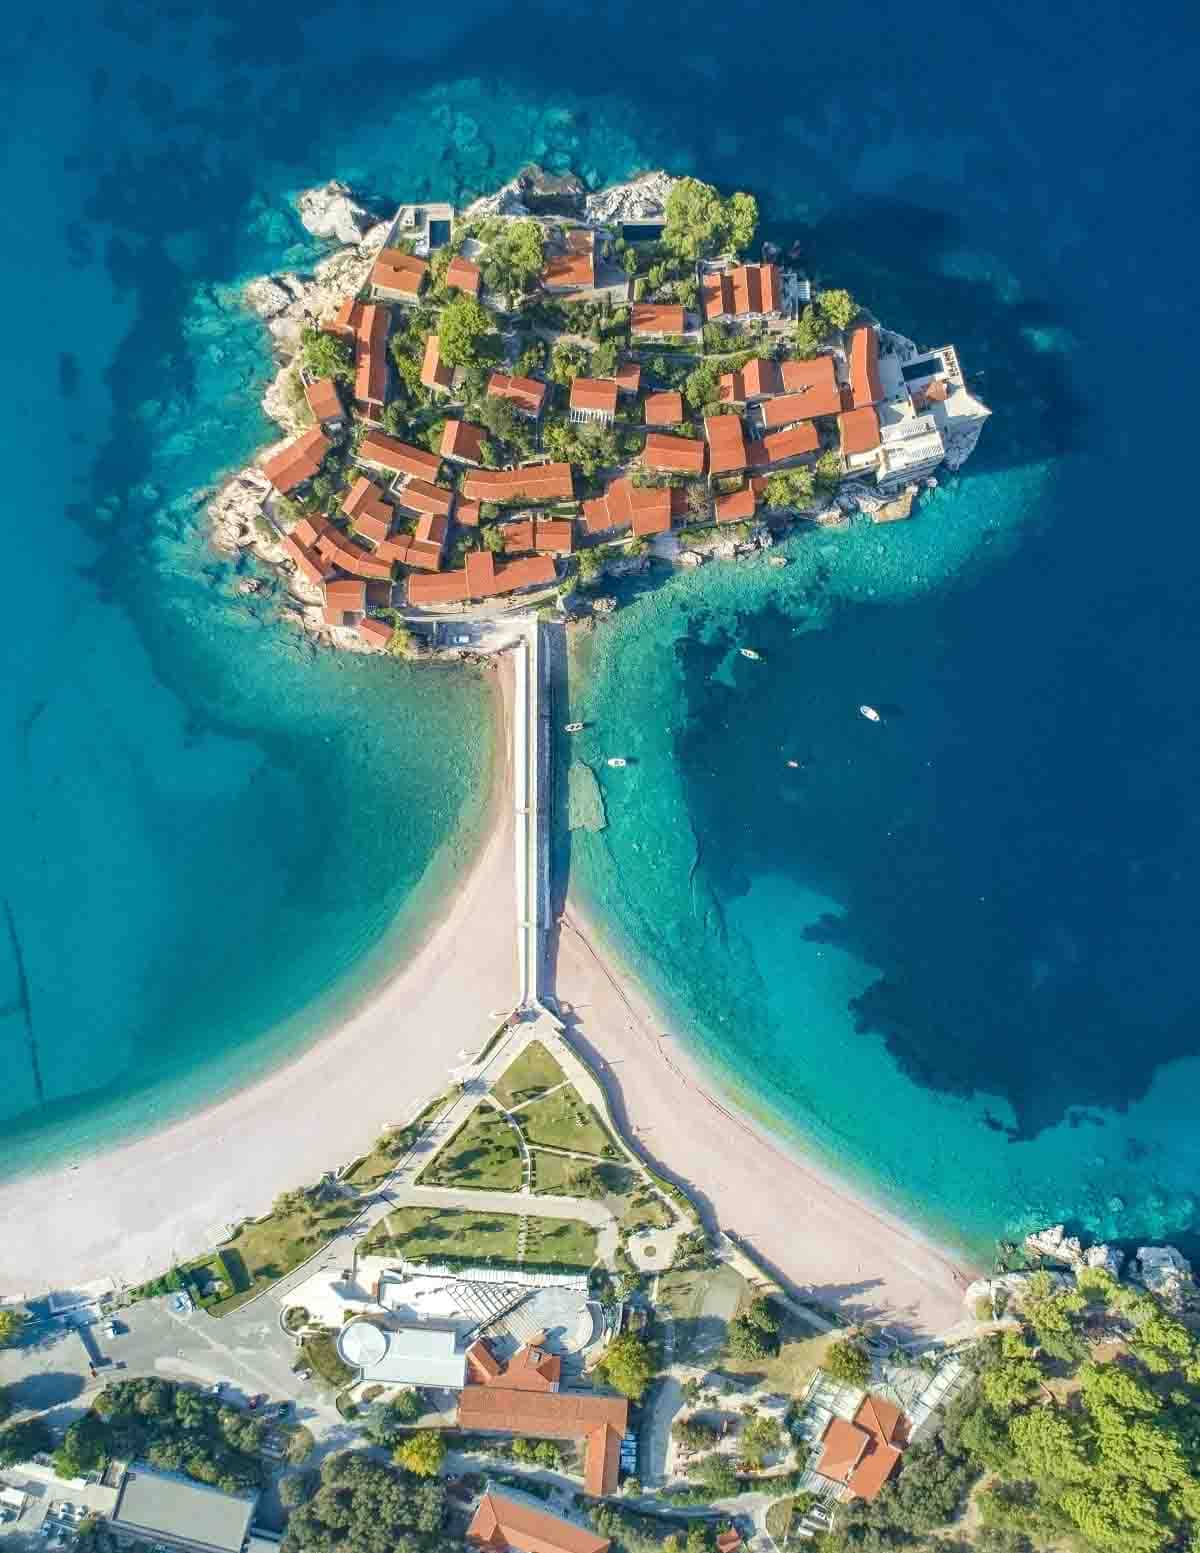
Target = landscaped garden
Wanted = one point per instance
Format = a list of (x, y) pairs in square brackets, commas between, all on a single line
[(532, 1074), (563, 1121), (431, 1234), (484, 1154)]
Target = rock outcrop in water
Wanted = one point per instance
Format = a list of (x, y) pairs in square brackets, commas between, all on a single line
[(643, 198), (330, 211), (1163, 1270)]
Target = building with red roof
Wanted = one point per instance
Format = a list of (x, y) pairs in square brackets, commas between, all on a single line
[(418, 495), (756, 380), (397, 275), (300, 546), (654, 319), (816, 381), (525, 394), (435, 375), (863, 1454), (344, 322), (735, 506), (296, 464), (531, 483), (865, 385), (463, 442), (675, 455), (370, 357), (647, 508), (337, 549), (628, 377), (665, 409), (778, 447), (726, 444), (859, 430), (481, 578), (594, 399), (464, 275), (369, 514), (325, 403), (747, 291), (505, 1525), (344, 597), (378, 633), (384, 452), (574, 270), (545, 535), (599, 1421), (467, 513)]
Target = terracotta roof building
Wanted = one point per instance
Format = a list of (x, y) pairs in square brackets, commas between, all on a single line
[(324, 400), (463, 442), (300, 545), (422, 496), (533, 483), (864, 1454), (344, 322), (859, 430), (677, 455), (296, 464), (735, 506), (574, 270), (540, 534), (664, 409), (482, 1364), (628, 377), (369, 514), (816, 381), (562, 1415), (467, 513), (435, 375), (481, 578), (646, 507), (749, 291), (466, 276), (338, 550), (398, 275), (525, 394), (593, 399), (779, 446), (726, 444), (755, 380), (386, 452), (501, 1524), (865, 386), (344, 597), (370, 356), (654, 318), (378, 632)]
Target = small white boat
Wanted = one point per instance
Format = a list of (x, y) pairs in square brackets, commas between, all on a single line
[(870, 714), (795, 765), (572, 727), (748, 652), (617, 761)]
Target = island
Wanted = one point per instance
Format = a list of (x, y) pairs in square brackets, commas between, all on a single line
[(490, 411)]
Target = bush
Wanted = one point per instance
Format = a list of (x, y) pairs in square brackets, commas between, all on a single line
[(848, 1360), (421, 1453)]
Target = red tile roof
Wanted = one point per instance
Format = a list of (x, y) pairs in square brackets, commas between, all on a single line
[(738, 293), (344, 597), (378, 448), (465, 275), (785, 409), (657, 318), (778, 446), (716, 294), (532, 1369), (598, 1420), (324, 400), (729, 1542), (482, 1362), (370, 358), (378, 632), (518, 536), (345, 320), (663, 409), (594, 393), (735, 507), (864, 1454), (816, 381), (569, 271), (432, 530), (646, 507), (333, 546), (433, 374), (299, 461), (467, 513), (463, 440), (682, 455), (555, 536), (370, 516), (726, 444), (308, 563), (859, 429), (864, 367), (755, 380), (533, 483), (399, 272), (501, 1523), (526, 393), (628, 377), (421, 496), (443, 588)]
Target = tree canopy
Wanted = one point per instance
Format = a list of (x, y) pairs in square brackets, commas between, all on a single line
[(11, 1324), (422, 1453), (175, 1428), (325, 355), (367, 1506), (838, 308), (629, 1364), (790, 488), (463, 325), (23, 1441), (848, 1360), (514, 259), (699, 222)]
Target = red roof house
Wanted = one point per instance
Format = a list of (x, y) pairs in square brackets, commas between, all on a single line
[(344, 597), (532, 483), (296, 464), (369, 514), (646, 507), (435, 375), (726, 444), (388, 453), (748, 291), (593, 399), (735, 506), (865, 386), (465, 275), (525, 394), (777, 447), (863, 1455), (502, 1524), (324, 400), (664, 409), (859, 429), (370, 356), (378, 633), (463, 441), (677, 455), (398, 275), (656, 318)]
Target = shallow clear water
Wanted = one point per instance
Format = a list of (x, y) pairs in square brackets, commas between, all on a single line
[(985, 911)]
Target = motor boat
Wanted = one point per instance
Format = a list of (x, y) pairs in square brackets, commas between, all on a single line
[(572, 727), (870, 714), (617, 761), (748, 652)]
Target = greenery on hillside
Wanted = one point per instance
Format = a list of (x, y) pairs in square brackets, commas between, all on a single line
[(699, 222), (367, 1506), (1085, 1422)]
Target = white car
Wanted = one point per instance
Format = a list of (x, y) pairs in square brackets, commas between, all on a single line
[(462, 641)]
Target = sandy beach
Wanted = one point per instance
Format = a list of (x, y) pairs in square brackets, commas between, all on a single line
[(129, 1213), (797, 1220)]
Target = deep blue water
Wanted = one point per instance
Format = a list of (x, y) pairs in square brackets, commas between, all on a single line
[(1002, 882)]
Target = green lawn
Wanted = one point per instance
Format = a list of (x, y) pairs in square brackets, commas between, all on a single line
[(565, 1241), (381, 1161), (260, 1253), (801, 1351), (427, 1234), (318, 1354), (563, 1121), (532, 1074), (484, 1154), (702, 1303)]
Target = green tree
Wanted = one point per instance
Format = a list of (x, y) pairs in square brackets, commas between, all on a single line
[(760, 1436), (12, 1324), (1050, 1444), (493, 539), (1012, 1377), (604, 359), (695, 219), (23, 1441), (827, 470), (326, 355), (629, 1365), (84, 1447), (367, 1506), (838, 308), (296, 1488), (463, 325), (695, 1434), (811, 332), (422, 1453), (848, 1360), (515, 258), (792, 488), (715, 1474), (741, 217), (567, 363)]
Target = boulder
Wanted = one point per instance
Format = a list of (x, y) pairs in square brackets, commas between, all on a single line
[(1165, 1272), (641, 199), (1107, 1257), (692, 558), (329, 211), (550, 194), (237, 512), (266, 297), (279, 405), (1056, 1244)]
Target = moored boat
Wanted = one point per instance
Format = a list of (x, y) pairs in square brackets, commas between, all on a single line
[(870, 714), (572, 727), (617, 761), (748, 652)]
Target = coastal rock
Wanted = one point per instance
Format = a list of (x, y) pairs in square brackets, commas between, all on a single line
[(1165, 1272), (626, 566), (238, 512), (1008, 1285), (604, 605), (641, 199), (1106, 1257), (692, 558), (550, 194), (266, 297), (315, 298), (329, 211), (281, 404), (506, 201), (1056, 1244)]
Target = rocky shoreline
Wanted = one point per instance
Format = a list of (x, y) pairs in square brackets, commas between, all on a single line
[(1162, 1270)]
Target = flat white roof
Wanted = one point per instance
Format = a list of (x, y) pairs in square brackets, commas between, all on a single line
[(400, 1356), (159, 1506)]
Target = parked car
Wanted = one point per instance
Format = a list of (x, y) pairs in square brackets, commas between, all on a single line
[(303, 1374)]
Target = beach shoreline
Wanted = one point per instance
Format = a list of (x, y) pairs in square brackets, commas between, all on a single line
[(818, 1232), (128, 1213)]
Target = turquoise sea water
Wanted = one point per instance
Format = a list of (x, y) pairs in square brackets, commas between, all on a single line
[(985, 912)]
